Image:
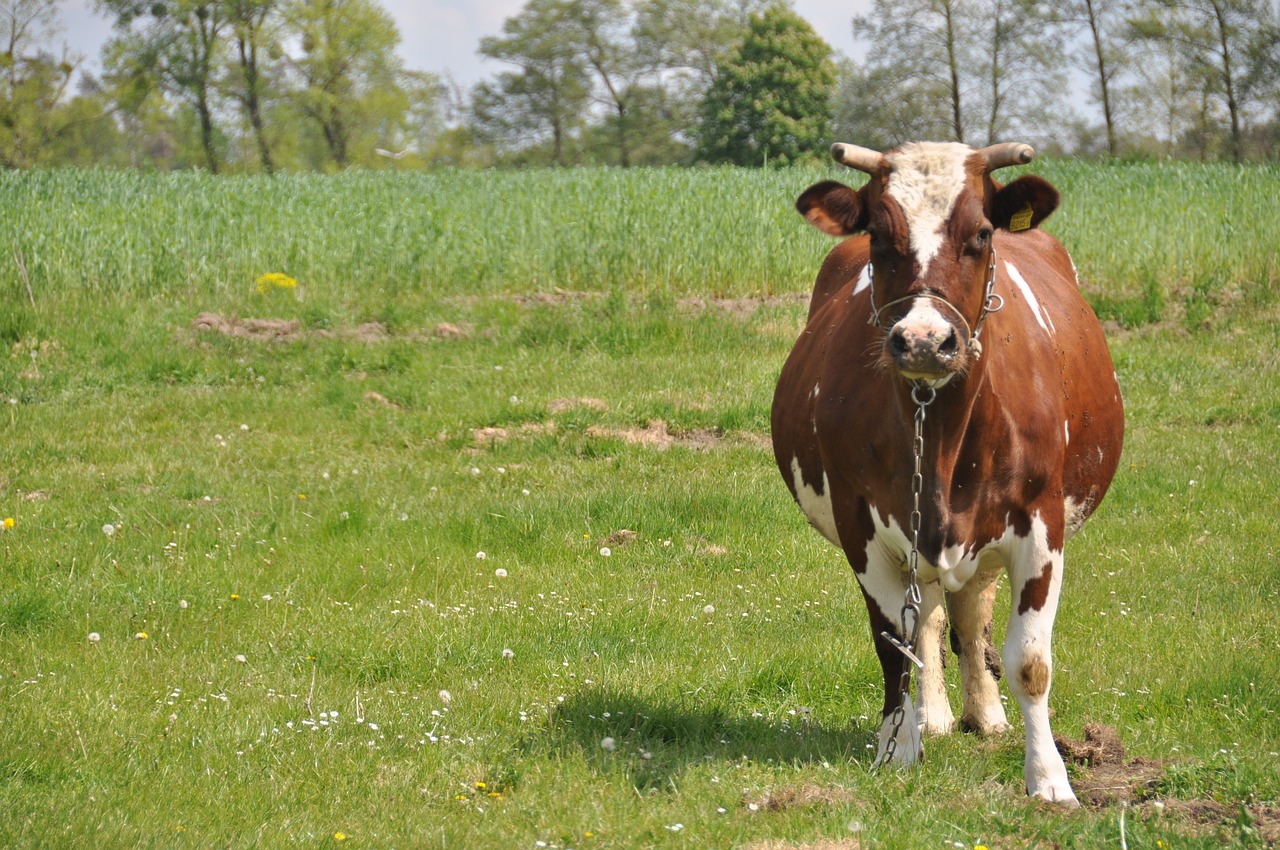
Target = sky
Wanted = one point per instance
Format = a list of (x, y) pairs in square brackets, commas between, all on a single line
[(443, 35)]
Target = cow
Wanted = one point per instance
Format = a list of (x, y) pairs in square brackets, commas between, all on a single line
[(947, 312)]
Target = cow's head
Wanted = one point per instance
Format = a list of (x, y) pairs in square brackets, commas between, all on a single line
[(930, 210)]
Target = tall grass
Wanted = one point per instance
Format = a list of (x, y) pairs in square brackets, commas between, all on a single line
[(1143, 233)]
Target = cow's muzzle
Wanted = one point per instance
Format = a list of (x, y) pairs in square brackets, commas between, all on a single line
[(925, 345)]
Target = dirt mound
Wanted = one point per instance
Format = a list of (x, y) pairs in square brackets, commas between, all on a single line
[(1110, 778), (265, 330)]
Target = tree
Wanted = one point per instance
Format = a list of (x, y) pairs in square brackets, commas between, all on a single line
[(1023, 76), (552, 86), (772, 99), (33, 83), (176, 45), (883, 107), (349, 76), (925, 42), (252, 26), (601, 33), (1105, 52), (693, 38), (1222, 40)]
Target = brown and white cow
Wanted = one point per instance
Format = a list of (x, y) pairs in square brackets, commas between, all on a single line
[(1020, 442)]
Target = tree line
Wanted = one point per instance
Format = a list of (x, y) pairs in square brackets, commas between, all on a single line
[(271, 85)]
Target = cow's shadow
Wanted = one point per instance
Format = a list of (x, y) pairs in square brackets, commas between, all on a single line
[(653, 739)]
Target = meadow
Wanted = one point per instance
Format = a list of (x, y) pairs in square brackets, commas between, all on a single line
[(472, 537)]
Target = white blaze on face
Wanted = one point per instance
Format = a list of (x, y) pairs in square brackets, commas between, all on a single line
[(926, 179)]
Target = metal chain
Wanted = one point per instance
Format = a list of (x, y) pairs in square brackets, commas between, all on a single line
[(923, 396)]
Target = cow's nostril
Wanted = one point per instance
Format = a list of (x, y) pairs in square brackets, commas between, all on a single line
[(898, 343), (950, 345)]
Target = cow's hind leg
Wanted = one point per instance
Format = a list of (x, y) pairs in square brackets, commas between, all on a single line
[(970, 613), (1035, 579)]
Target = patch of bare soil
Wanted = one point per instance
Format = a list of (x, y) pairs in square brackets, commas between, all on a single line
[(1209, 816), (291, 330), (656, 435), (781, 799), (380, 399), (821, 844), (1110, 778), (621, 537), (493, 435), (448, 330)]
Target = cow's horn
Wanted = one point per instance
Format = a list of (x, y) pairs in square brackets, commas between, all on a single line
[(1006, 154), (863, 159)]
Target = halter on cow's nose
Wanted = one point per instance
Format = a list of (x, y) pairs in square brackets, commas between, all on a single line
[(924, 342)]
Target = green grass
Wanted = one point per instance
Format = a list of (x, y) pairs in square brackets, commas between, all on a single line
[(316, 507)]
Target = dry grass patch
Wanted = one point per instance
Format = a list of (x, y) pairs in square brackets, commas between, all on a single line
[(781, 799), (656, 435)]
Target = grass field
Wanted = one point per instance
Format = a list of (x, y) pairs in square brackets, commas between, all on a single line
[(243, 601)]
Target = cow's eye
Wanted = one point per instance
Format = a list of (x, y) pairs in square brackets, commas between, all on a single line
[(979, 241)]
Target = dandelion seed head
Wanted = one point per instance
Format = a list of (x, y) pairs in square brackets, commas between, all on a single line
[(182, 603), (241, 659), (446, 697), (480, 556), (108, 529), (500, 572), (605, 551), (608, 744), (710, 609), (94, 637), (141, 636)]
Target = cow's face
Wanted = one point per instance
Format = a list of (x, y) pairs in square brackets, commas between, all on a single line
[(930, 211)]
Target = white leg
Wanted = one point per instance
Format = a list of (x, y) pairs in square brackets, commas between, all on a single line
[(931, 689), (1036, 581), (970, 610), (885, 585)]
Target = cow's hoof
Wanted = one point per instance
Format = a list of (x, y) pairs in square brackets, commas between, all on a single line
[(1057, 794), (985, 728)]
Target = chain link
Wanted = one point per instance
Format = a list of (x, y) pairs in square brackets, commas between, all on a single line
[(923, 396)]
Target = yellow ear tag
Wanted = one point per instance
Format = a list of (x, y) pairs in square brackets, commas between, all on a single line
[(1021, 219)]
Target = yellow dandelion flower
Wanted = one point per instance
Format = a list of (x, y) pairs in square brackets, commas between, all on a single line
[(235, 596), (302, 497), (274, 280), (339, 836), (481, 786), (141, 636), (8, 523)]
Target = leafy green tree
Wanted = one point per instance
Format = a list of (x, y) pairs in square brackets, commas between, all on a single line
[(33, 83), (1021, 69), (175, 46), (349, 78), (772, 99), (549, 92)]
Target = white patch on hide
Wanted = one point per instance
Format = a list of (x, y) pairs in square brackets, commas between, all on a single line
[(864, 279), (816, 506), (1042, 316)]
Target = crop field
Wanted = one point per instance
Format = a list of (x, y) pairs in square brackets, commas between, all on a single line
[(462, 530)]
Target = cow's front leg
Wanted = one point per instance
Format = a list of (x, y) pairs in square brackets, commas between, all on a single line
[(935, 709), (1035, 579), (970, 613)]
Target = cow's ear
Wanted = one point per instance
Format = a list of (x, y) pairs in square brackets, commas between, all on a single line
[(1024, 203), (833, 208)]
